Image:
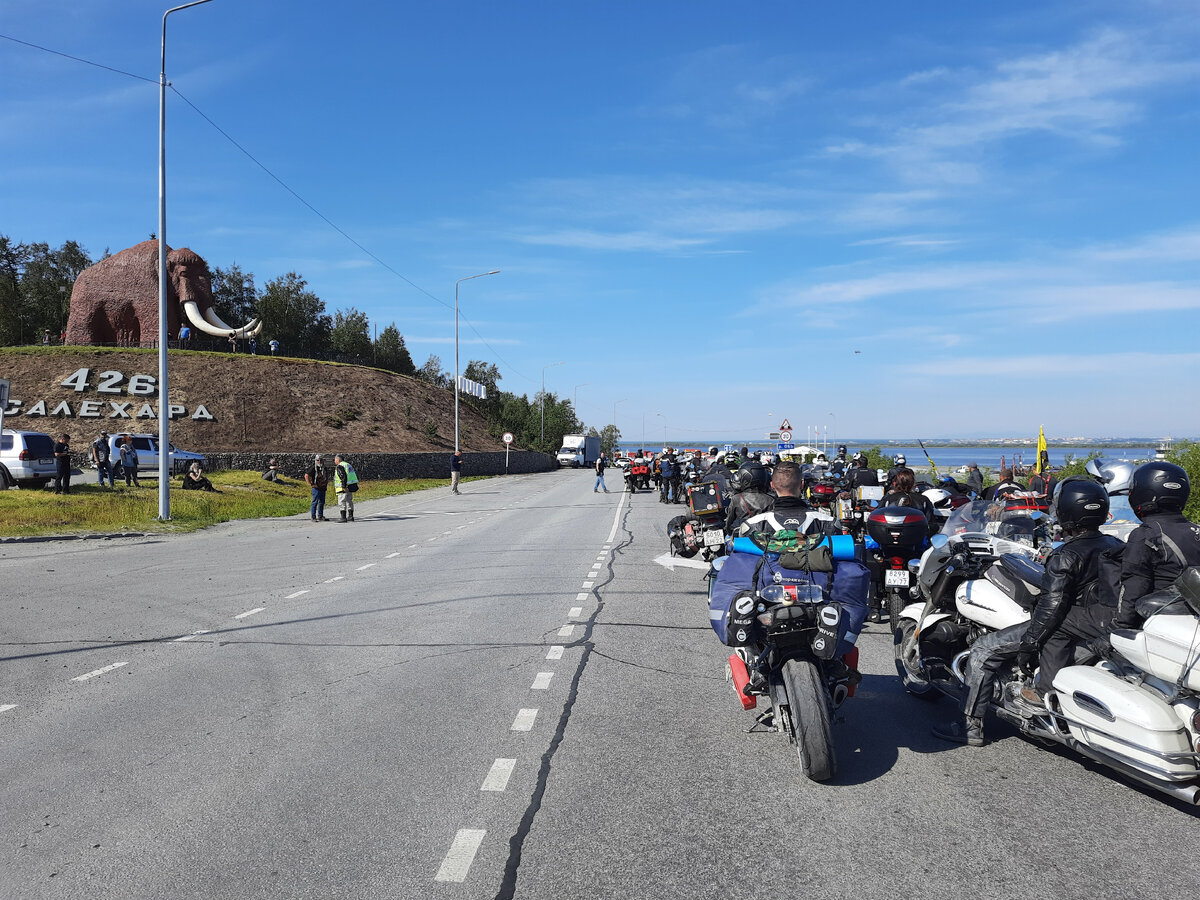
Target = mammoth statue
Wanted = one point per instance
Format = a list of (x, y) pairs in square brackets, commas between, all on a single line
[(116, 300)]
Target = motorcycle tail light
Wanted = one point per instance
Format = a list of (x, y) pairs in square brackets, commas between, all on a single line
[(897, 562), (1196, 727)]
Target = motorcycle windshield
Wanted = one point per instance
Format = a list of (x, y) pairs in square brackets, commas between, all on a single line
[(995, 518)]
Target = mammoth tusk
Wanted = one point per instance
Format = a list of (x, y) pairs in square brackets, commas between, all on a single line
[(213, 321), (192, 311)]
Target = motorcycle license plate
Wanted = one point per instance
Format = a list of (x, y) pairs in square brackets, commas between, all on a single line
[(714, 538), (895, 578)]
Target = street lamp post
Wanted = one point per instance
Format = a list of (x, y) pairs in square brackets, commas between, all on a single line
[(456, 284), (543, 403), (664, 418), (164, 408), (834, 428)]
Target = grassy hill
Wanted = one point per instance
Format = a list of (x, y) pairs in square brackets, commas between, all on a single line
[(256, 402)]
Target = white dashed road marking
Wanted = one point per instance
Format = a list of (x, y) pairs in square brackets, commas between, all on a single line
[(7, 706), (249, 612), (394, 555), (575, 613), (566, 631), (541, 681), (295, 595), (99, 671), (582, 595), (460, 855), (192, 636), (334, 578), (556, 652), (412, 546), (498, 775), (367, 566), (588, 584), (524, 720)]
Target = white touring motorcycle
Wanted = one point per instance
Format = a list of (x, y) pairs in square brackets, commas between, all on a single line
[(1134, 706)]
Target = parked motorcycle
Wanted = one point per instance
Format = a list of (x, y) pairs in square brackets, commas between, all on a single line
[(786, 637), (703, 529), (637, 474), (900, 534)]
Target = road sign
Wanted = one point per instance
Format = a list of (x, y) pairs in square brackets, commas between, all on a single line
[(785, 426), (785, 436), (773, 436), (729, 448), (783, 446), (507, 437)]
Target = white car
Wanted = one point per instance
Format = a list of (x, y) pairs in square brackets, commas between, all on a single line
[(26, 459), (146, 446), (621, 462)]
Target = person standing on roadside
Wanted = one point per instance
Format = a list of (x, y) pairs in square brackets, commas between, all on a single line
[(601, 463), (62, 465), (975, 480), (345, 483), (101, 453), (129, 462), (455, 471), (318, 479)]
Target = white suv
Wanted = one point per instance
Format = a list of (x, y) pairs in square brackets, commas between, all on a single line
[(26, 459)]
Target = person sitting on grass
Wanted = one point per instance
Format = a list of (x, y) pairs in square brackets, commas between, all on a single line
[(194, 480)]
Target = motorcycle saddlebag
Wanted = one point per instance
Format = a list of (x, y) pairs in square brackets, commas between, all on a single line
[(1110, 714), (735, 577)]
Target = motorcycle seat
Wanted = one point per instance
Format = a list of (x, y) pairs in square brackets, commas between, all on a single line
[(1025, 569), (1161, 601)]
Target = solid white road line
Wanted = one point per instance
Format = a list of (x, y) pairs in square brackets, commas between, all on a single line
[(566, 631), (188, 637), (99, 671), (541, 681), (498, 775), (460, 855), (575, 613), (556, 652), (392, 555), (367, 566), (250, 612), (334, 578), (616, 519), (7, 706), (524, 720), (295, 595)]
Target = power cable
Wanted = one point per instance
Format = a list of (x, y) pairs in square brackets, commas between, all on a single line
[(280, 182)]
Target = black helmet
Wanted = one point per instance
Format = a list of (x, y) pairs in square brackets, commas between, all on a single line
[(1159, 487), (1080, 503), (841, 450), (751, 476)]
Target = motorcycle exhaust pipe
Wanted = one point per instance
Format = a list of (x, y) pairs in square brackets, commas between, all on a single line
[(1188, 793), (741, 678)]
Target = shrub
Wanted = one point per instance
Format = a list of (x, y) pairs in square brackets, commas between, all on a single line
[(431, 431)]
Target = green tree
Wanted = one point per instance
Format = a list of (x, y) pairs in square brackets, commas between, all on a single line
[(294, 316), (431, 371), (234, 295), (391, 353), (1187, 454), (351, 334), (15, 322), (47, 282), (610, 439)]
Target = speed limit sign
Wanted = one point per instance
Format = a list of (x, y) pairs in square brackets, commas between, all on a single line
[(785, 436), (507, 437)]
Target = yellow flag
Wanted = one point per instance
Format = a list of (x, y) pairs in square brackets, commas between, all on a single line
[(1043, 457)]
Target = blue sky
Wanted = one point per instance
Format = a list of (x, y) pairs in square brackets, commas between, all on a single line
[(918, 219)]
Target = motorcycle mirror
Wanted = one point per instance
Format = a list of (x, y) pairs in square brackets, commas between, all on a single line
[(939, 541), (914, 565), (1035, 515)]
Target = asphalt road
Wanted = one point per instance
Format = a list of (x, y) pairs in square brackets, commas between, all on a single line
[(500, 694)]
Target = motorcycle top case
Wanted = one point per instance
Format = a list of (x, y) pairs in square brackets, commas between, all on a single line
[(897, 527), (735, 576), (705, 499)]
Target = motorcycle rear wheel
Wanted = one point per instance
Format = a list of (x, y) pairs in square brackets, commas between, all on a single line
[(808, 719), (905, 651)]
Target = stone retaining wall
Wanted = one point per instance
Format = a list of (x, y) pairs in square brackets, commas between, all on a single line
[(371, 466)]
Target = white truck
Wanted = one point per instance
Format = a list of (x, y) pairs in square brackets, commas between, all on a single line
[(579, 450)]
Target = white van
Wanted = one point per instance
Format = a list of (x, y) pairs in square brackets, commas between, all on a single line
[(146, 446)]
